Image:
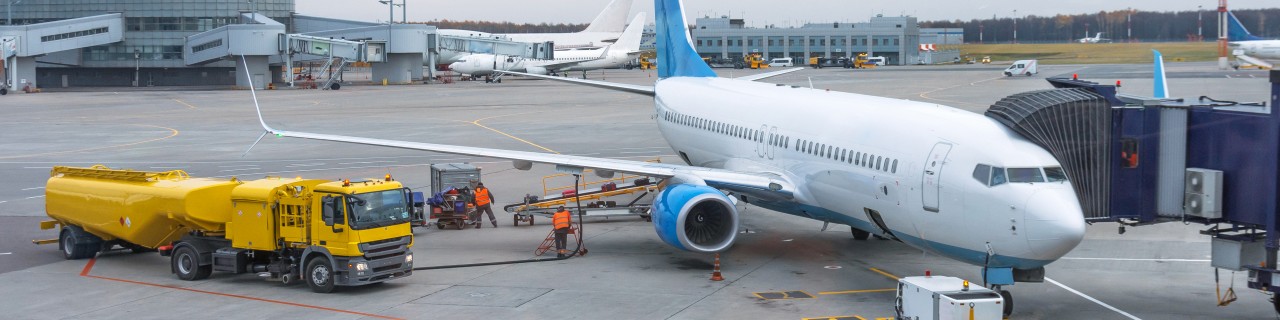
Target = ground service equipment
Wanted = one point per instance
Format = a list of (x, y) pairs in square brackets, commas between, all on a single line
[(753, 60), (945, 298), (328, 233)]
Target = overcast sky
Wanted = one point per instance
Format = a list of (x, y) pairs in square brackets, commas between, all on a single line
[(757, 12)]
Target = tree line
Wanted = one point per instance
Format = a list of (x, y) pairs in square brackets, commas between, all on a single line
[(1146, 26), (506, 27)]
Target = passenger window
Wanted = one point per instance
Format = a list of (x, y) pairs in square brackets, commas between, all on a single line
[(895, 166), (997, 176), (982, 173), (1055, 174), (878, 162), (857, 159), (1025, 175)]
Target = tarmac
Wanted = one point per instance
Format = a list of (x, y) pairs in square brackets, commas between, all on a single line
[(1150, 272)]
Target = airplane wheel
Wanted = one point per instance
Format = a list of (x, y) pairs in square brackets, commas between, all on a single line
[(1008, 302), (859, 234)]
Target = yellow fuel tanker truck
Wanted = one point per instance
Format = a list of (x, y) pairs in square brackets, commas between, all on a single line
[(326, 233)]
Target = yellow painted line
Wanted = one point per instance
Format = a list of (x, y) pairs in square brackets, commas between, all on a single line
[(172, 133), (890, 275), (859, 291), (187, 104), (477, 123)]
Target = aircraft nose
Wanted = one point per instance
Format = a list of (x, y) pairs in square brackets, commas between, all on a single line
[(1054, 221)]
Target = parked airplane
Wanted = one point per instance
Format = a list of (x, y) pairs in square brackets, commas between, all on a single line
[(940, 179), (625, 50), (1096, 39), (603, 30), (1249, 48)]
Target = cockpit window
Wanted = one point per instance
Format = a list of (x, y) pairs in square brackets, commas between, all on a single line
[(1055, 174), (1025, 175), (997, 177), (982, 173)]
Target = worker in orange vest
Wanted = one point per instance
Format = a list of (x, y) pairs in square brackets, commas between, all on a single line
[(561, 223), (483, 202)]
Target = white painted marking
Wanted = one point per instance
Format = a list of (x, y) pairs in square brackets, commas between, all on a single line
[(32, 188), (635, 152), (5, 253), (366, 162), (296, 165), (39, 196), (3, 201), (243, 169), (46, 168), (1130, 259), (1121, 312), (239, 165), (167, 167)]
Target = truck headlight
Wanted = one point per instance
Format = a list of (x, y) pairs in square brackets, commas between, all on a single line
[(408, 258), (361, 266)]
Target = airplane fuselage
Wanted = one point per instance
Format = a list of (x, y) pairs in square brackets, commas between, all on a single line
[(896, 168), (591, 59), (1262, 49)]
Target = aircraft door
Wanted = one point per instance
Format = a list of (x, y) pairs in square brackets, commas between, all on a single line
[(932, 184), (771, 142)]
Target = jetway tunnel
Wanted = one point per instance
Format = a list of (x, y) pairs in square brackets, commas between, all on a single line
[(1141, 160)]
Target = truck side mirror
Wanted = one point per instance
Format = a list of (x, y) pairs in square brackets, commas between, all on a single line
[(332, 213)]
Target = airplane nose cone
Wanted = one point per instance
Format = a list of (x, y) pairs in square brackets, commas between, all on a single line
[(1055, 222)]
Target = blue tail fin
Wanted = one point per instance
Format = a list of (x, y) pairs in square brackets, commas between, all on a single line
[(676, 56), (1236, 30), (1160, 89)]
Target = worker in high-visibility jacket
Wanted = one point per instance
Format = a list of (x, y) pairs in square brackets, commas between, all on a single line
[(483, 202), (561, 221)]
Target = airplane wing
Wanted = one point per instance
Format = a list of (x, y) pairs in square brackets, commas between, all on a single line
[(755, 77), (764, 185)]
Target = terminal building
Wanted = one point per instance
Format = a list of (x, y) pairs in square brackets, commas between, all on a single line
[(895, 38), (75, 43)]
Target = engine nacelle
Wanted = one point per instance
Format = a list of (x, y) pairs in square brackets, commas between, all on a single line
[(535, 70), (695, 218)]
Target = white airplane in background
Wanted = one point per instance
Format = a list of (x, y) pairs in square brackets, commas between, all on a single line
[(943, 180), (603, 30), (1249, 48), (625, 50), (1096, 39)]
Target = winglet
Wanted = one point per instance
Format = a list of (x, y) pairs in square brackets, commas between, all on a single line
[(261, 121), (676, 56), (1161, 88)]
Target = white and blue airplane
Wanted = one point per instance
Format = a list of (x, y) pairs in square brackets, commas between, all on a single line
[(603, 30), (1249, 48), (626, 49), (940, 179)]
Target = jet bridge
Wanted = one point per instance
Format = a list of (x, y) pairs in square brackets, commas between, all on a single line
[(21, 44), (1140, 160), (254, 41)]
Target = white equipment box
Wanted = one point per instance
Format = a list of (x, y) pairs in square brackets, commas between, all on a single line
[(946, 298)]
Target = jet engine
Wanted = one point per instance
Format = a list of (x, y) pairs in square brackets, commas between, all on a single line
[(535, 70), (695, 218)]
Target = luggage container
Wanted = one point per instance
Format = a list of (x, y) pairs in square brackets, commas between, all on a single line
[(946, 298)]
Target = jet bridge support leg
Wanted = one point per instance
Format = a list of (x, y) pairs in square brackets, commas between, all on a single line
[(256, 67)]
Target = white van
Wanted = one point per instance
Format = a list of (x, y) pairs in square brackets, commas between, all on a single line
[(781, 62), (1024, 67), (877, 60)]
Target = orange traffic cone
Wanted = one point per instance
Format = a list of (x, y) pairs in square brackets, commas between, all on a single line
[(715, 273)]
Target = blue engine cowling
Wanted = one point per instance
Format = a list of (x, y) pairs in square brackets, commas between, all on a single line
[(695, 218)]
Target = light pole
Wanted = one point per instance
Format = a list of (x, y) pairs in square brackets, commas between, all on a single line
[(137, 65), (1200, 23), (8, 12), (1128, 24), (1015, 26)]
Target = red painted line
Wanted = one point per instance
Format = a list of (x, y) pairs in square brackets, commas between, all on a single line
[(89, 266)]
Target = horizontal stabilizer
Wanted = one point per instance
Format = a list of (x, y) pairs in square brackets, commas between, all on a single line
[(755, 77), (1255, 61)]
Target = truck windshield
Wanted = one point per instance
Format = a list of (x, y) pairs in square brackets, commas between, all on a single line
[(377, 209)]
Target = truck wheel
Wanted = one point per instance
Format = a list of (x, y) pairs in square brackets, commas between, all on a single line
[(186, 263), (320, 275), (1028, 74), (73, 251)]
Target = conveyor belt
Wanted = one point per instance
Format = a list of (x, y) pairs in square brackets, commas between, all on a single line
[(588, 195), (1075, 126)]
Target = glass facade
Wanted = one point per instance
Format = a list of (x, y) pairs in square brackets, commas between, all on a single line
[(155, 32)]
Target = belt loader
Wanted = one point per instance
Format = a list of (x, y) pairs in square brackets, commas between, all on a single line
[(326, 233)]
